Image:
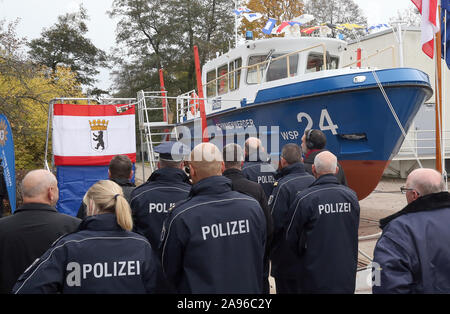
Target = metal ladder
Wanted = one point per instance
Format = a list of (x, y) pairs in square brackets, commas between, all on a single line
[(153, 115)]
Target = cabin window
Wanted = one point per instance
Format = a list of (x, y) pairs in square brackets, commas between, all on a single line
[(315, 62), (211, 83), (253, 75), (235, 77), (278, 69), (222, 79)]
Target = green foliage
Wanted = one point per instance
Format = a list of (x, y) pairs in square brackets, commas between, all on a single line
[(65, 44), (25, 91), (162, 34)]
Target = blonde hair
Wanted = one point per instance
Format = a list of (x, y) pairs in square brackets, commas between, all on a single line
[(106, 196)]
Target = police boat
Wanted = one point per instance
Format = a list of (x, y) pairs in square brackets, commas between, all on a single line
[(277, 88)]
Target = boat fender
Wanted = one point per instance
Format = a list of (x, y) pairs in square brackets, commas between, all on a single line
[(194, 103)]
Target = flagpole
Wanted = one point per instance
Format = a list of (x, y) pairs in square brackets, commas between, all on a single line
[(438, 97), (444, 81)]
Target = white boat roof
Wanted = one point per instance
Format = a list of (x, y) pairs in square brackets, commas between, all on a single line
[(279, 44)]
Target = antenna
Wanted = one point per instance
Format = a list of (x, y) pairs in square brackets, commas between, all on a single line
[(235, 24)]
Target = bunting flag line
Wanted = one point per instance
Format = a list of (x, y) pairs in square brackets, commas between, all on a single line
[(241, 10), (309, 30), (429, 24), (304, 18), (267, 29), (252, 16), (351, 26), (377, 27)]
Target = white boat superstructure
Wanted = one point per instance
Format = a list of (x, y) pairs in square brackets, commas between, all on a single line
[(238, 75)]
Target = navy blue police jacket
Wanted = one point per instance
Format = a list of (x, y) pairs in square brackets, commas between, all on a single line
[(290, 180), (100, 257), (150, 202), (214, 241), (258, 170), (413, 252), (323, 232)]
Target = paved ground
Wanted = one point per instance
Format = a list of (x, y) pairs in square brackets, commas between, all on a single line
[(385, 200)]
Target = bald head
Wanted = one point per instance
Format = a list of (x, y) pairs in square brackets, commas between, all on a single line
[(424, 181), (40, 186), (205, 161), (325, 163)]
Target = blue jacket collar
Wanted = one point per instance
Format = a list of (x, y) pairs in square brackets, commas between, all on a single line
[(424, 203), (257, 157), (122, 182), (326, 179), (297, 167), (169, 174), (102, 222), (211, 185)]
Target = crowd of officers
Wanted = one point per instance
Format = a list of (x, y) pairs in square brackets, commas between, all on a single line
[(205, 222)]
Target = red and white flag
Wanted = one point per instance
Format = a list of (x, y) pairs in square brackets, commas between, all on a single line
[(429, 25), (92, 134)]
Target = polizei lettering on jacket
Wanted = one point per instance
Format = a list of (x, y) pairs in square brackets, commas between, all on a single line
[(334, 208), (226, 229), (266, 179), (159, 207), (76, 272)]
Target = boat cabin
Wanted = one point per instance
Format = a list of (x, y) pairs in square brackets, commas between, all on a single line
[(233, 79)]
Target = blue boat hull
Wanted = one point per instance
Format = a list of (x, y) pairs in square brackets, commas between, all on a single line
[(360, 127)]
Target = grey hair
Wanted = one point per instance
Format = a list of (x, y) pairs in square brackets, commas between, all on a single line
[(426, 185), (45, 181), (325, 165)]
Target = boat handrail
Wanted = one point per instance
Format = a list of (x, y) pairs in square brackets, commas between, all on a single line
[(373, 55), (258, 65)]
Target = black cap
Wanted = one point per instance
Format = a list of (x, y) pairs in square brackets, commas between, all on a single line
[(172, 151)]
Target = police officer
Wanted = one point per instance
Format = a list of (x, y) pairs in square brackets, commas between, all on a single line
[(413, 252), (214, 241), (313, 143), (256, 166), (103, 256), (291, 179), (120, 171), (323, 231), (233, 160), (150, 202)]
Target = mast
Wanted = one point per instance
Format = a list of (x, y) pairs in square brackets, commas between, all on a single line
[(235, 24), (438, 97)]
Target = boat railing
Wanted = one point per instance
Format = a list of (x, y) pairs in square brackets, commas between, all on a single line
[(262, 65), (153, 108), (422, 143), (378, 52)]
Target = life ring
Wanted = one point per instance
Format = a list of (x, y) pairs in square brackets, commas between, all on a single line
[(194, 104)]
